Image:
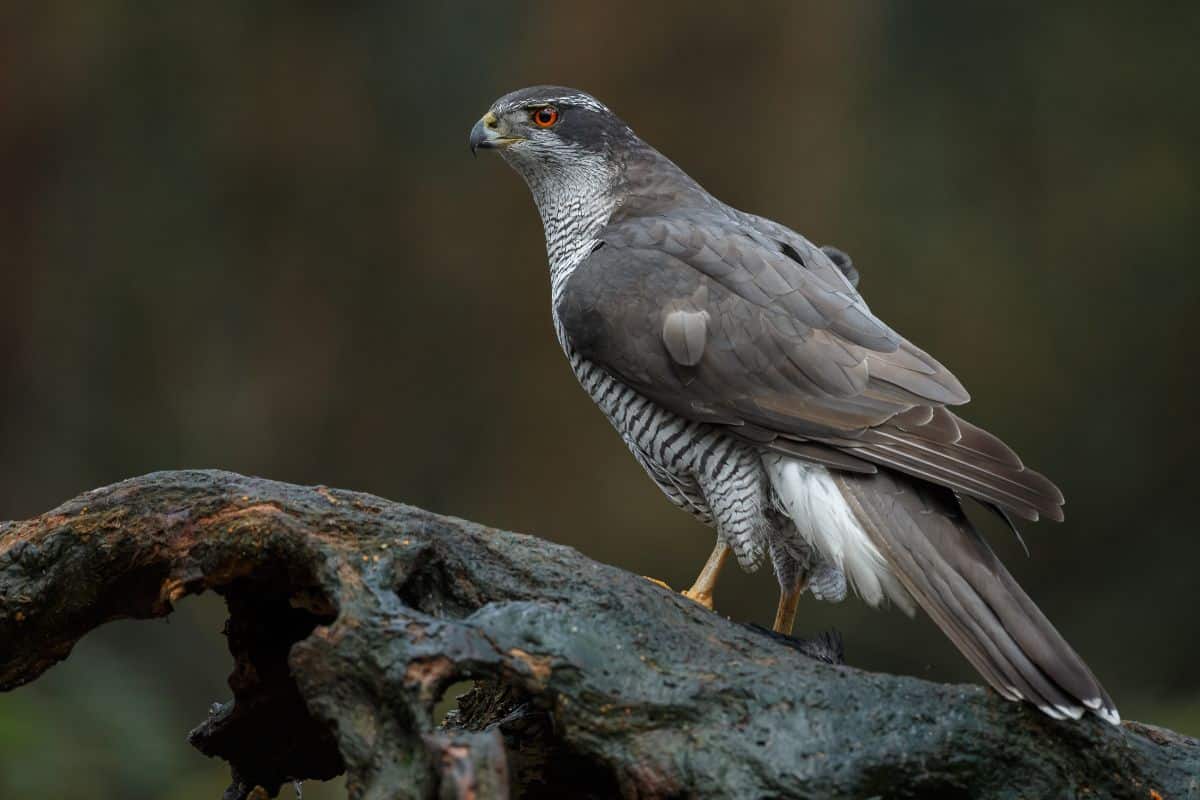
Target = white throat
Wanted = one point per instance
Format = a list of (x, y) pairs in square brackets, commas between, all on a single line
[(575, 200)]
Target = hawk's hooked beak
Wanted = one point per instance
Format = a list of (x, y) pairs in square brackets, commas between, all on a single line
[(487, 134)]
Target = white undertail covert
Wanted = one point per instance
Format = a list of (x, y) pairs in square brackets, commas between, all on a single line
[(824, 519)]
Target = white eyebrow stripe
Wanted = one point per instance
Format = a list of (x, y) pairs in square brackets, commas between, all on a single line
[(582, 100)]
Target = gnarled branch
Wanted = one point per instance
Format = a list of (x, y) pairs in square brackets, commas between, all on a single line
[(350, 615)]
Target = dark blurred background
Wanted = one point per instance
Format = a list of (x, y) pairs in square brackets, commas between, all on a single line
[(250, 236)]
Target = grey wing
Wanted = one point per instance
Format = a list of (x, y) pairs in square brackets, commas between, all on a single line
[(721, 323)]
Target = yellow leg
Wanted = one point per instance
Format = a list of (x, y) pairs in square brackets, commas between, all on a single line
[(785, 614), (702, 588)]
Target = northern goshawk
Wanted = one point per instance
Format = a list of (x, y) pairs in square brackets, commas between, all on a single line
[(743, 369)]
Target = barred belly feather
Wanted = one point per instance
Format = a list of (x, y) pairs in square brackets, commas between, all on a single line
[(717, 478)]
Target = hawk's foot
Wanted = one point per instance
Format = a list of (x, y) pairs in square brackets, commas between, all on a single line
[(703, 596), (663, 584), (702, 590), (706, 581)]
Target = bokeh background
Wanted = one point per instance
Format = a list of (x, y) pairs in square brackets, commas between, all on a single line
[(250, 236)]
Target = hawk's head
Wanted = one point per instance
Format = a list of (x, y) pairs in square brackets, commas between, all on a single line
[(581, 161), (544, 130)]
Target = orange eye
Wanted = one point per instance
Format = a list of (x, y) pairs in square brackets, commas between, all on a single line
[(545, 116)]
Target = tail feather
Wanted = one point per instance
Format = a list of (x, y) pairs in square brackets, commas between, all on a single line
[(943, 562)]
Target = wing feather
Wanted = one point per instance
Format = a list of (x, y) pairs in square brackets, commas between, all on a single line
[(732, 319)]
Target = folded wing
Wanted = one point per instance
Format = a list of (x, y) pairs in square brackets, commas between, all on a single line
[(752, 327)]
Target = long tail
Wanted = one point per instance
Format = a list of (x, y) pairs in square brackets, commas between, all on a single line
[(943, 562)]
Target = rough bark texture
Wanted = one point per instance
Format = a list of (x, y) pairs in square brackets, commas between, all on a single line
[(350, 615)]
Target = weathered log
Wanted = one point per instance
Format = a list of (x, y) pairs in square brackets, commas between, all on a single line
[(350, 615)]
